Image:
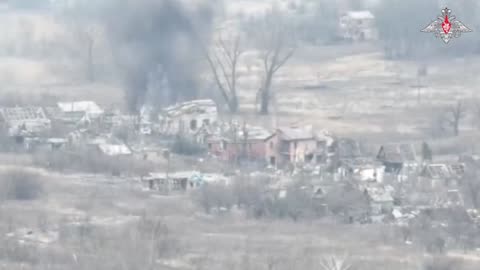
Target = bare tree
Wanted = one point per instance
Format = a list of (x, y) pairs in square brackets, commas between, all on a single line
[(477, 112), (223, 61), (455, 114), (471, 185), (84, 30), (86, 38), (335, 263), (276, 45), (421, 73), (438, 126)]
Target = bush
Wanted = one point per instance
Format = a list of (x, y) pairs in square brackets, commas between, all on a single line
[(138, 246), (256, 200), (215, 196), (21, 185)]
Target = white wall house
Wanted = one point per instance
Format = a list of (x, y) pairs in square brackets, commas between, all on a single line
[(188, 118), (358, 26)]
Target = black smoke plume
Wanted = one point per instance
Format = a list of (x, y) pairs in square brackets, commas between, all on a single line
[(158, 39)]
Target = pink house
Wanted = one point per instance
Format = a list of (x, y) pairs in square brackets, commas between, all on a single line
[(250, 143)]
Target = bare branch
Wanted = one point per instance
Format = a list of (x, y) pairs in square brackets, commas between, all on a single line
[(282, 62), (276, 49), (222, 67), (216, 77), (455, 114), (223, 60), (335, 263)]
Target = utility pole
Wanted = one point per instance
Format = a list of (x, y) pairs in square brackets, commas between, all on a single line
[(245, 141), (421, 73), (166, 155)]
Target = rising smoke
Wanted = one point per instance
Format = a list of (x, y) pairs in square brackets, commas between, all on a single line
[(156, 41)]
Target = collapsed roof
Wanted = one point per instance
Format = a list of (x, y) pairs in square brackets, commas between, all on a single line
[(20, 114), (200, 106), (296, 134), (25, 120), (89, 107), (444, 171), (397, 153), (360, 15)]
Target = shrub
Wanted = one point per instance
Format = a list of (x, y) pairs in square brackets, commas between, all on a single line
[(215, 196), (256, 200), (21, 185)]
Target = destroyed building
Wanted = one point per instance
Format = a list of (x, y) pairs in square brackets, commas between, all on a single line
[(297, 145), (398, 157), (358, 26), (344, 151), (181, 181), (21, 122), (380, 199), (78, 112), (366, 169), (112, 118), (109, 147), (145, 120), (188, 117), (442, 175), (450, 198)]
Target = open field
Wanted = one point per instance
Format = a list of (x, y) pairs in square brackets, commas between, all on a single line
[(200, 241), (362, 93)]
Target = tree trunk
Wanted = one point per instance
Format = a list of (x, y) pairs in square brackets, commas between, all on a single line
[(474, 194), (264, 102), (233, 105), (265, 94), (90, 67)]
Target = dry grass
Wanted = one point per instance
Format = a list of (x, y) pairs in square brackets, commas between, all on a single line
[(111, 213), (21, 185)]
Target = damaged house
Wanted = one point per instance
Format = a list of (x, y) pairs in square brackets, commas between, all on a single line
[(364, 170), (358, 26), (398, 158), (442, 175), (450, 198), (188, 117), (344, 151), (250, 143), (78, 112), (380, 199), (22, 122), (145, 120), (350, 161), (298, 145), (109, 147)]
